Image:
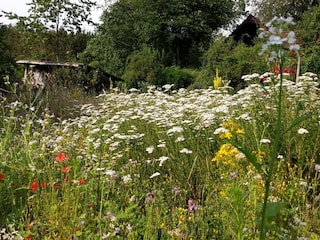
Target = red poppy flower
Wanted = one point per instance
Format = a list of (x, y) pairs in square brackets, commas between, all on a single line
[(57, 186), (292, 54), (34, 186), (66, 169), (285, 70), (44, 185), (276, 70), (292, 70), (81, 181), (62, 157), (28, 237), (1, 176)]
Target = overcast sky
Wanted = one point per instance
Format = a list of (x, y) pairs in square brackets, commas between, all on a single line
[(21, 8)]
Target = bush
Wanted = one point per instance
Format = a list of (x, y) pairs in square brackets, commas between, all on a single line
[(142, 68), (233, 61), (181, 78), (307, 35)]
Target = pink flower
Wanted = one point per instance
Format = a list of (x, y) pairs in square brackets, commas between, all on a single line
[(192, 205)]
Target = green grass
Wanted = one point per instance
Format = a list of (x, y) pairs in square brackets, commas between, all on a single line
[(141, 165)]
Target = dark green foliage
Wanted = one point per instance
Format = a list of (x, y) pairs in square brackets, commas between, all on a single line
[(267, 9), (100, 52), (7, 63), (142, 68), (145, 68), (180, 29), (181, 78), (308, 32), (232, 60)]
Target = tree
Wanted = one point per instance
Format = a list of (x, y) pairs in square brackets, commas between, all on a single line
[(267, 9), (7, 62), (181, 29), (308, 33), (53, 15), (185, 25)]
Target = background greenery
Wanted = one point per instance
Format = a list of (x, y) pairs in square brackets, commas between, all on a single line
[(143, 41)]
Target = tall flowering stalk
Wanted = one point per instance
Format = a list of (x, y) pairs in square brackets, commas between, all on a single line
[(279, 41)]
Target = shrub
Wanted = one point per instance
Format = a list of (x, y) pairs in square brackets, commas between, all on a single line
[(233, 61), (181, 78), (142, 67)]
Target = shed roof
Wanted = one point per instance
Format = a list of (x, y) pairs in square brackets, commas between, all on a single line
[(64, 64), (45, 63), (247, 30)]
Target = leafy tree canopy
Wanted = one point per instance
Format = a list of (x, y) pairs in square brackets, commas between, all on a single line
[(52, 16), (55, 14), (7, 62), (267, 9), (177, 27)]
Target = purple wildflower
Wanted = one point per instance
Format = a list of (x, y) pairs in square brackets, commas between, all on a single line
[(192, 205), (175, 191), (111, 216), (150, 198), (317, 167), (233, 175), (116, 231)]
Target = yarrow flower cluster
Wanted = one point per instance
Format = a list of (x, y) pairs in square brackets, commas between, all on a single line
[(276, 36)]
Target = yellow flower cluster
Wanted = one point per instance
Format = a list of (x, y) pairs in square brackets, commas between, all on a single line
[(233, 129), (228, 155)]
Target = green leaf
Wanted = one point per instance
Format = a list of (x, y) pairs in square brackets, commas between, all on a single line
[(251, 157), (273, 209), (297, 121)]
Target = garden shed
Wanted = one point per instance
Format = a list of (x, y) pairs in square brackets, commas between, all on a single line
[(41, 74), (247, 30)]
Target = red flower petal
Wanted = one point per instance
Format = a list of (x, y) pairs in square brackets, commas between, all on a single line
[(62, 157), (66, 169), (81, 181), (34, 186)]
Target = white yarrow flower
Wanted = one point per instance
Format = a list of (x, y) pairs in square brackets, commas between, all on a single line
[(150, 149), (162, 160), (220, 130), (155, 175), (126, 179), (264, 140), (303, 131), (185, 150)]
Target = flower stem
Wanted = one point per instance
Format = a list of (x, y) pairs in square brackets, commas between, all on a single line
[(273, 159)]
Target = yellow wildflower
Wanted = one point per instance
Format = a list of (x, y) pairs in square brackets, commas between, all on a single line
[(227, 155), (240, 131), (217, 81), (224, 135)]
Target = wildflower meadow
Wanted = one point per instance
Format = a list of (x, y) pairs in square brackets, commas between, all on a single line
[(170, 164)]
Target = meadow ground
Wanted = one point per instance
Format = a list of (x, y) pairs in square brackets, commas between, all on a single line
[(164, 164), (168, 164)]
